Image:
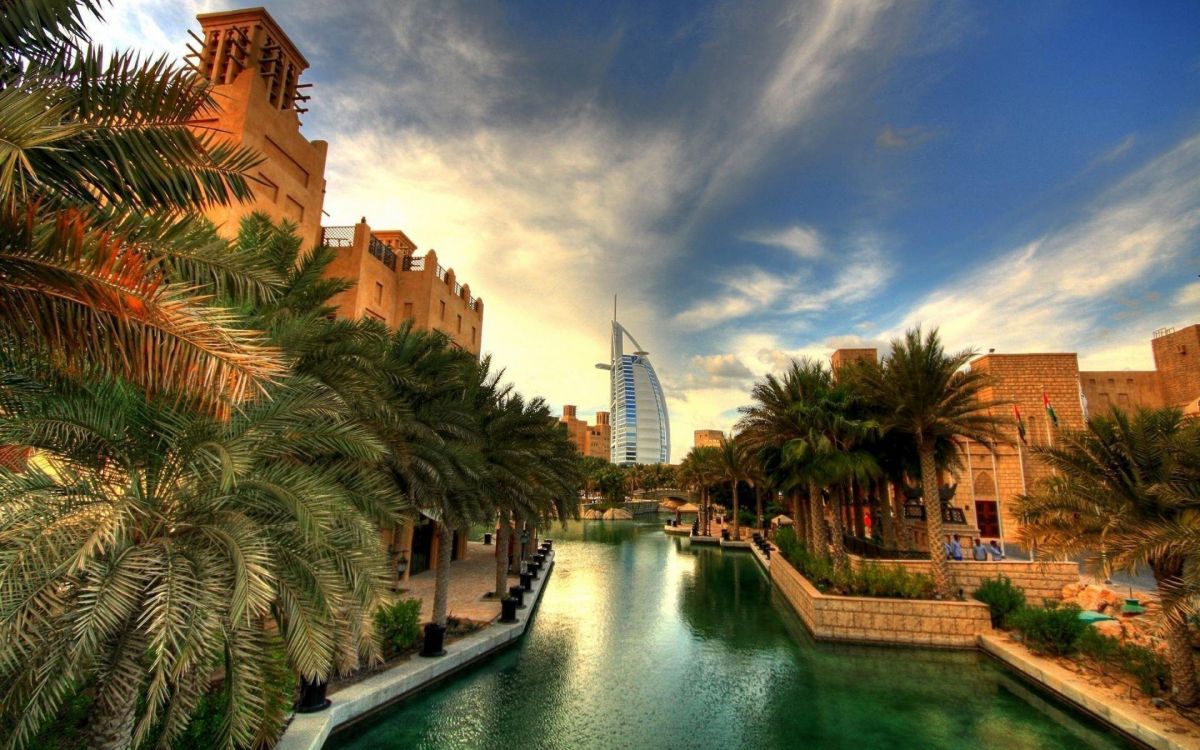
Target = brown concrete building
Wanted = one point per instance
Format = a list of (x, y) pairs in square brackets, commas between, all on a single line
[(991, 478), (256, 71), (590, 440), (843, 357), (393, 284), (707, 438), (1174, 381)]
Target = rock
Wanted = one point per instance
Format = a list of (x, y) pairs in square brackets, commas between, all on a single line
[(1070, 592), (1111, 628), (1097, 598)]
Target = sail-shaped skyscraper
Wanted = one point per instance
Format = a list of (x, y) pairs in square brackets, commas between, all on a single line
[(641, 429)]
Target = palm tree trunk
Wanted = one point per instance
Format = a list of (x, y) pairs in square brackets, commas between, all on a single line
[(111, 719), (840, 561), (737, 530), (939, 568), (502, 537), (817, 517), (441, 588), (799, 513), (758, 519), (1180, 660)]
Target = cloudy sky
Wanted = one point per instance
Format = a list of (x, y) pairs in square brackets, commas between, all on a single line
[(763, 180)]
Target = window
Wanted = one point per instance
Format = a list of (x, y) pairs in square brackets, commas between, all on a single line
[(472, 334), (378, 293), (408, 310), (459, 324), (442, 310)]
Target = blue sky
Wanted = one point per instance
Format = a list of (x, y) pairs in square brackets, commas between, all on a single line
[(764, 180)]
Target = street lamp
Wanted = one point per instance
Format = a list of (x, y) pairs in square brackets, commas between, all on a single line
[(402, 565)]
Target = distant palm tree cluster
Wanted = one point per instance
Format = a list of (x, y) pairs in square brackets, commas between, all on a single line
[(212, 453)]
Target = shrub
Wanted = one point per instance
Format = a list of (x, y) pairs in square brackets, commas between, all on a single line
[(1052, 629), (398, 625), (1001, 597), (1144, 664), (870, 579)]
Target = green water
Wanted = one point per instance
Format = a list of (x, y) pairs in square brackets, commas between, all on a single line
[(643, 641)]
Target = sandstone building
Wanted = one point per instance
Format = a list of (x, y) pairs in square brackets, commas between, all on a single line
[(590, 440), (707, 438), (255, 70), (992, 477), (394, 284)]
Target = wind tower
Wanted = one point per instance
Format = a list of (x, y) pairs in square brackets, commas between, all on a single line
[(641, 429)]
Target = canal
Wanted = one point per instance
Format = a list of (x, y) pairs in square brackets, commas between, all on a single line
[(643, 641)]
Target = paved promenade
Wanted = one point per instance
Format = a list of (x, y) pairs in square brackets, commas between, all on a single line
[(470, 579)]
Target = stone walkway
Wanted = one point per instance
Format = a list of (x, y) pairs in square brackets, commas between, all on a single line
[(470, 578)]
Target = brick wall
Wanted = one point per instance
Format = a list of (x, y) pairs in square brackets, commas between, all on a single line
[(1125, 389), (895, 621), (1039, 580), (1177, 360), (1020, 379)]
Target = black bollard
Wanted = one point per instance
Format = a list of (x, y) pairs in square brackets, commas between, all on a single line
[(508, 609), (312, 697), (518, 593), (487, 538), (527, 581), (435, 637), (549, 543)]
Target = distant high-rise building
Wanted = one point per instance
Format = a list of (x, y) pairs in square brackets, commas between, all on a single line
[(641, 430), (708, 438)]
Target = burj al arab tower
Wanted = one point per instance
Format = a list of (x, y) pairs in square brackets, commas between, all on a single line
[(641, 430)]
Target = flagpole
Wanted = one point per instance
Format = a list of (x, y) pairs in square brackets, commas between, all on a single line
[(999, 509), (1046, 406), (1024, 490)]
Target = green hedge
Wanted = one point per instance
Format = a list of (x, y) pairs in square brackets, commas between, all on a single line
[(870, 579), (1002, 597), (398, 626), (1053, 629)]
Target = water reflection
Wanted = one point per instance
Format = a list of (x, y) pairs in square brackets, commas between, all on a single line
[(644, 641)]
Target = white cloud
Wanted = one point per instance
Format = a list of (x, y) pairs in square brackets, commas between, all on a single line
[(1189, 297), (801, 240), (1117, 151), (902, 139), (1056, 292)]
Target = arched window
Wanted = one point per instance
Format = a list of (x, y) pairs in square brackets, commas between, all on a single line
[(984, 487)]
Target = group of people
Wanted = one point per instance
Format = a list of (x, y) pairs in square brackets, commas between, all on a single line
[(979, 550)]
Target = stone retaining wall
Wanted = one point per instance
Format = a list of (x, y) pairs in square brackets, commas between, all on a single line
[(1039, 580), (905, 622)]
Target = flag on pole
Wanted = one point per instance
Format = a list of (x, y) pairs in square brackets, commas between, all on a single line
[(1049, 409), (1020, 423)]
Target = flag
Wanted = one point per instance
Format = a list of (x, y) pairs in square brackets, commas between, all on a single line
[(1049, 409), (1020, 423)]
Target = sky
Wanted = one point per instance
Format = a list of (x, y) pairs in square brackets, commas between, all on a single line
[(761, 181)]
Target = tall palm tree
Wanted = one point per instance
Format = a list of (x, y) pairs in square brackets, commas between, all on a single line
[(1128, 485), (734, 464), (773, 427), (925, 393), (101, 183), (149, 542)]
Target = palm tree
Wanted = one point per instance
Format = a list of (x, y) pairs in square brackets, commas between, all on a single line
[(925, 393), (149, 542), (701, 469), (1128, 485), (101, 184), (733, 461)]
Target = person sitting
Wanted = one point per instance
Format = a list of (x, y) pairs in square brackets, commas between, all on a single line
[(997, 553), (956, 549), (980, 552)]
